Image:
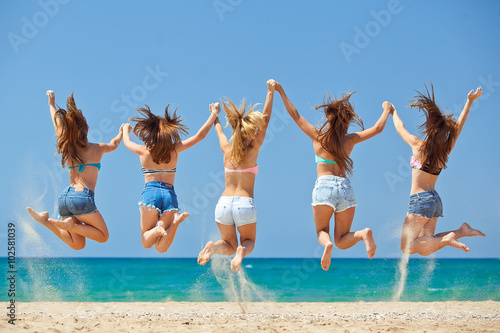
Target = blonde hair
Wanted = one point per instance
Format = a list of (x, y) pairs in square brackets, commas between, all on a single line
[(245, 127)]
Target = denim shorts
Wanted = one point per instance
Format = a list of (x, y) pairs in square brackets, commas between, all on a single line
[(333, 191), (159, 196), (76, 201), (426, 204), (235, 210)]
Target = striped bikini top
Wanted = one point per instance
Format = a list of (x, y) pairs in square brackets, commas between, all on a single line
[(152, 172)]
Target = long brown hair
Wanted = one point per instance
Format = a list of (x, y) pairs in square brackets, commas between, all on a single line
[(438, 132), (160, 134), (339, 115), (72, 132), (245, 127)]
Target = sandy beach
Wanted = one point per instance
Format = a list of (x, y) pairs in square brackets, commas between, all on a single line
[(262, 317)]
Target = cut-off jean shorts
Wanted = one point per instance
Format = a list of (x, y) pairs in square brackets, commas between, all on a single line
[(333, 191), (426, 204), (235, 211), (76, 201), (160, 196)]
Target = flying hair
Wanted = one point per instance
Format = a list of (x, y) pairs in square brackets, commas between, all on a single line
[(438, 132), (72, 131), (245, 125), (332, 135), (160, 134)]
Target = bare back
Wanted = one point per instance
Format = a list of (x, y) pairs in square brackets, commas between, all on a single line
[(421, 181), (148, 163), (88, 177), (328, 169), (241, 183)]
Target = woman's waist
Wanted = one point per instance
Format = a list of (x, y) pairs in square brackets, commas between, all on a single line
[(163, 178), (79, 183), (238, 191), (423, 185)]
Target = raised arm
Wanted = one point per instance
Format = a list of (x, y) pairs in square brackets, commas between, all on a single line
[(471, 97), (202, 132), (223, 141), (304, 125), (268, 109), (52, 107), (410, 139), (114, 143), (132, 146), (375, 129)]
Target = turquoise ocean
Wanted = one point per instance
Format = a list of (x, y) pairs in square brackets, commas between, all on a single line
[(278, 280)]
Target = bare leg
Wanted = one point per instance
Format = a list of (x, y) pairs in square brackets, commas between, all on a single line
[(75, 241), (322, 215), (345, 239), (149, 233), (226, 245), (94, 228), (465, 230), (170, 221), (247, 239), (417, 236)]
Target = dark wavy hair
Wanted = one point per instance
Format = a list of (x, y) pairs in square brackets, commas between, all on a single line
[(438, 132), (160, 134), (339, 115), (72, 132)]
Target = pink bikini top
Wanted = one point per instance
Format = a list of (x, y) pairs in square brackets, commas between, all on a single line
[(416, 164), (254, 170)]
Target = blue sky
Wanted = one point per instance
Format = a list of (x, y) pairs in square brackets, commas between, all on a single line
[(116, 55)]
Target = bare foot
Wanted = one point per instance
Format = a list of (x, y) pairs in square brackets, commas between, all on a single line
[(450, 240), (160, 229), (238, 258), (467, 231), (369, 242), (67, 224), (326, 259), (178, 218), (205, 254), (42, 217)]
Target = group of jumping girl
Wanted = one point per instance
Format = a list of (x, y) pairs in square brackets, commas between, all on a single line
[(235, 211)]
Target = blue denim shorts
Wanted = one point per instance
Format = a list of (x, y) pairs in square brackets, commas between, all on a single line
[(333, 191), (76, 201), (159, 196), (235, 211), (426, 204)]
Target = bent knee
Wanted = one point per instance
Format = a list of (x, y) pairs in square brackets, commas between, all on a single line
[(104, 238), (78, 246)]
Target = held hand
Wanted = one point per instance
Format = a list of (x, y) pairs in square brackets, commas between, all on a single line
[(472, 96), (271, 85), (215, 108), (279, 88), (126, 128), (52, 97), (121, 128), (388, 106)]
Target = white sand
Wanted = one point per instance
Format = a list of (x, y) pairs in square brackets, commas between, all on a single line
[(261, 317)]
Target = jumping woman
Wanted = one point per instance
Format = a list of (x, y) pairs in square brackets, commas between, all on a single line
[(333, 192), (80, 218), (430, 154), (158, 206), (236, 207)]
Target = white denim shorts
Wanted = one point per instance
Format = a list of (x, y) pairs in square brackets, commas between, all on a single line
[(333, 191), (235, 210)]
